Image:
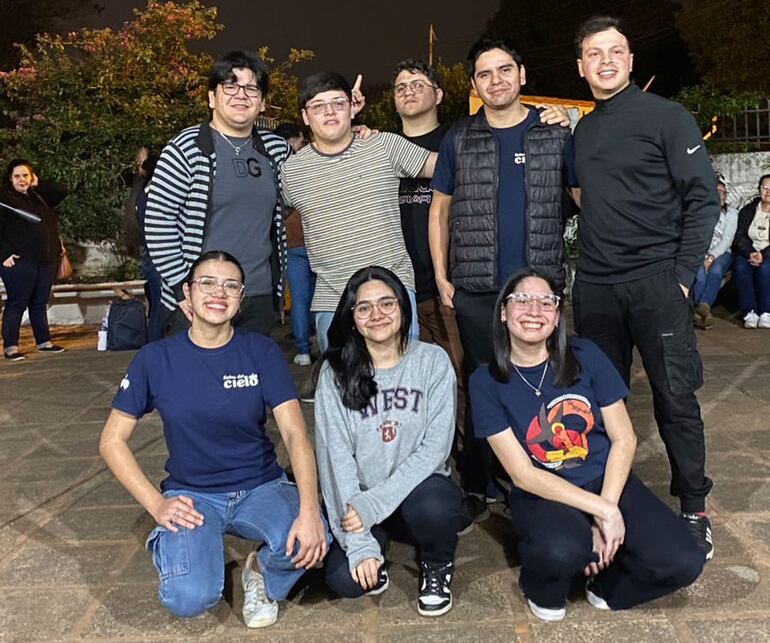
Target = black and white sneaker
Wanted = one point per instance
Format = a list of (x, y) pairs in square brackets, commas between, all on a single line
[(51, 348), (435, 596), (700, 527), (383, 582), (14, 357)]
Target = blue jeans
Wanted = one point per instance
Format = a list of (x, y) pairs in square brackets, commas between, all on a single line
[(707, 284), (750, 281), (190, 562), (302, 284), (28, 286), (323, 320)]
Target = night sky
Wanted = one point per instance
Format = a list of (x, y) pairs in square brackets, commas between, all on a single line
[(346, 36)]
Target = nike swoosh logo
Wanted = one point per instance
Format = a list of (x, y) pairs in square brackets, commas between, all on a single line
[(692, 150)]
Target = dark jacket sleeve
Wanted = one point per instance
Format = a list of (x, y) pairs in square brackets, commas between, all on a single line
[(6, 249), (742, 245), (53, 193), (694, 180)]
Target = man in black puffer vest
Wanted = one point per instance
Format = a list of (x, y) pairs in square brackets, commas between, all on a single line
[(498, 192)]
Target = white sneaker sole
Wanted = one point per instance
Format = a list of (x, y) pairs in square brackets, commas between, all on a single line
[(379, 590), (264, 622), (596, 601), (546, 614), (439, 612)]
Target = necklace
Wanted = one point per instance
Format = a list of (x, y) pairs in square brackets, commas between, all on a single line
[(236, 148), (537, 390)]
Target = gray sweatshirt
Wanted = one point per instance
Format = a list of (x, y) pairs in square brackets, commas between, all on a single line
[(372, 459)]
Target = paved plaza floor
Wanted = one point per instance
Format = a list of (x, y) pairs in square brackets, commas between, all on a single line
[(73, 565)]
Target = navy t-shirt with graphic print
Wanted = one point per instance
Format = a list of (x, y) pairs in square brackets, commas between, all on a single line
[(213, 403), (562, 430)]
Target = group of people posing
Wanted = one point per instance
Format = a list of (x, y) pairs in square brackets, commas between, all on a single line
[(438, 309)]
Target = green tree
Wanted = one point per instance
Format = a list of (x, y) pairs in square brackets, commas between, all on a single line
[(85, 102), (730, 43)]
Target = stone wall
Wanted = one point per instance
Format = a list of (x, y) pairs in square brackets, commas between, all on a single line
[(742, 171)]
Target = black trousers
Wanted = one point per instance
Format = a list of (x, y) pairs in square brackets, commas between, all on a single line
[(429, 517), (28, 286), (474, 313), (555, 544), (653, 315), (256, 315)]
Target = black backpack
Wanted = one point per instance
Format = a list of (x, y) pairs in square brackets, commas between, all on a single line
[(126, 325)]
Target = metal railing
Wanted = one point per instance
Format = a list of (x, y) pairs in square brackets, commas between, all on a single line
[(750, 129)]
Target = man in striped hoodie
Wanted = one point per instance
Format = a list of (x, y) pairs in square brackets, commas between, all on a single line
[(216, 187)]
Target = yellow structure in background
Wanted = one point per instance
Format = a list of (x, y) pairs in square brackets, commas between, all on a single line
[(582, 106)]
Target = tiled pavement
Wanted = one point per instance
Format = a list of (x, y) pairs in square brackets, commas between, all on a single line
[(72, 563)]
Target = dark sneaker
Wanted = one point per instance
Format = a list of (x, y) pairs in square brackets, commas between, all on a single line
[(14, 357), (383, 582), (53, 348), (475, 508), (700, 527), (435, 596)]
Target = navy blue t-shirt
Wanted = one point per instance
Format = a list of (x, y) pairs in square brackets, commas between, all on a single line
[(562, 431), (512, 233), (213, 404)]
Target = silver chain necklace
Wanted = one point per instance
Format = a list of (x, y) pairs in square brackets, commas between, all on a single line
[(236, 148), (538, 389)]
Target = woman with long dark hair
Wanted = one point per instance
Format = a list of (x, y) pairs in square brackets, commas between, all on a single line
[(212, 386), (751, 267), (552, 410), (385, 409), (29, 255)]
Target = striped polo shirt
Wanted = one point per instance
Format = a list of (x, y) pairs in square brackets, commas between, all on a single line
[(349, 208)]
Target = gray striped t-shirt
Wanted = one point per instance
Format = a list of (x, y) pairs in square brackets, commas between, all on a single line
[(349, 208)]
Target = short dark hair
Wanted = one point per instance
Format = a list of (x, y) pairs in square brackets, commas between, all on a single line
[(416, 66), (222, 69), (323, 81), (348, 354), (596, 24), (759, 185), (288, 130), (214, 255), (562, 360), (12, 164), (488, 44)]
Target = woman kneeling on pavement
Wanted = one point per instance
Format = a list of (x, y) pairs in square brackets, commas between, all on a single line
[(211, 387), (552, 410), (385, 409)]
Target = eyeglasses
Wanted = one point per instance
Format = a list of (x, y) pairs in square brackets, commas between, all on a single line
[(417, 86), (231, 89), (337, 104), (522, 300), (208, 286), (364, 310)]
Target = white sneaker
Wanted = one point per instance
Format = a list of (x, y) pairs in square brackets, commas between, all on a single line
[(751, 320), (258, 609), (764, 321), (547, 613), (302, 359), (594, 599)]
